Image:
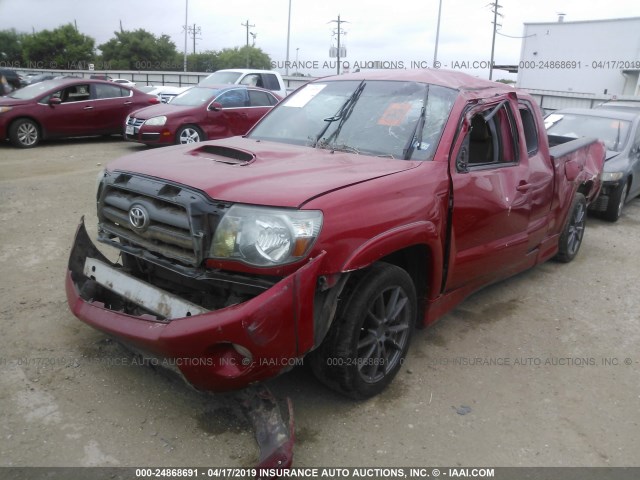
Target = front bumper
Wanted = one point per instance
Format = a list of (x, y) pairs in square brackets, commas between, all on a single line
[(149, 135), (601, 203), (219, 350)]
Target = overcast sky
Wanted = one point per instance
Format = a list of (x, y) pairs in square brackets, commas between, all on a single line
[(393, 31)]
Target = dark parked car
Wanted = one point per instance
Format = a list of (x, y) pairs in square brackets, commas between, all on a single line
[(627, 106), (12, 78), (42, 77), (67, 108), (619, 129), (200, 113)]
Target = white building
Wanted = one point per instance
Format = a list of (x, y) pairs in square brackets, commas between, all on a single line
[(600, 57)]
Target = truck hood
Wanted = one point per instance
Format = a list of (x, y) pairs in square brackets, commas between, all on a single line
[(276, 174)]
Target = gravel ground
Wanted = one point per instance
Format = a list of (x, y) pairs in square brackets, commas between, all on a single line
[(538, 370)]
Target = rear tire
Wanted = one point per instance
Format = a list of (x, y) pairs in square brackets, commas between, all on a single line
[(369, 338), (24, 133), (617, 200), (571, 238)]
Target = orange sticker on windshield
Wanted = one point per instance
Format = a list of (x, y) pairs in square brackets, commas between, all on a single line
[(395, 114)]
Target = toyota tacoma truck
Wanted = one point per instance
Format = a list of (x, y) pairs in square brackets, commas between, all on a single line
[(363, 205)]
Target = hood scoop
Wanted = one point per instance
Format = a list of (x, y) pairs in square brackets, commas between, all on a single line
[(230, 156)]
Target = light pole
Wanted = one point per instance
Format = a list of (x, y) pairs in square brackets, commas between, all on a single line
[(286, 65), (186, 11), (435, 53)]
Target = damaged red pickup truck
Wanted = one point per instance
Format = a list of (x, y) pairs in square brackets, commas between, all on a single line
[(362, 205)]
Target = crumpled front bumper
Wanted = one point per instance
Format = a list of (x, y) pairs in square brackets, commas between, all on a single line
[(219, 350)]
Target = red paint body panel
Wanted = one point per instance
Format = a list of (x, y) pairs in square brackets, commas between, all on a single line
[(461, 229)]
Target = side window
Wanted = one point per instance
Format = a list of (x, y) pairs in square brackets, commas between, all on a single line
[(233, 98), (271, 81), (530, 129), (260, 99), (492, 138), (75, 93), (109, 91), (252, 79)]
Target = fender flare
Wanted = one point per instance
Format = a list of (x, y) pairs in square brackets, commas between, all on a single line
[(421, 233)]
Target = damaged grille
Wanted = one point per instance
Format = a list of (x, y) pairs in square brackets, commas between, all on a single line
[(139, 214)]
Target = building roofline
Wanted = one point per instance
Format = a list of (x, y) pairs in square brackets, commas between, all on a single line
[(584, 21)]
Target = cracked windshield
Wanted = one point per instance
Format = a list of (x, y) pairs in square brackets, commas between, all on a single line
[(401, 120)]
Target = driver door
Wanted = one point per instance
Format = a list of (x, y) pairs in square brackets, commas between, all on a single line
[(491, 203)]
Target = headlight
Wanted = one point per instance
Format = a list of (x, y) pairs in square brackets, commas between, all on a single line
[(5, 109), (264, 236), (156, 121), (612, 176)]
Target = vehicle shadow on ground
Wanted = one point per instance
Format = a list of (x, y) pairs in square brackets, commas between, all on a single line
[(74, 141)]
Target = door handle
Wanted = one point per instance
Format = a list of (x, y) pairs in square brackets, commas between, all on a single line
[(128, 103), (88, 108), (523, 187)]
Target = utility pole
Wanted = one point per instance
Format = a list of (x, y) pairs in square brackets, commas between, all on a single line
[(193, 31), (495, 6), (247, 26), (339, 32)]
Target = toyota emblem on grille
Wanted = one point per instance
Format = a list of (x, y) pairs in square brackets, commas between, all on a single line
[(138, 217)]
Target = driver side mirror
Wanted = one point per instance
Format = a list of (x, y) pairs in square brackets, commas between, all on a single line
[(53, 101), (215, 107)]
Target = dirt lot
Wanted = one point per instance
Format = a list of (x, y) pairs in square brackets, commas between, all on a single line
[(539, 370)]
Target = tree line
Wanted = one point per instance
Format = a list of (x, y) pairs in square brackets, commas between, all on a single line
[(65, 48)]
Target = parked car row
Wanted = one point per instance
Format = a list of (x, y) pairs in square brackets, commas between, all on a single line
[(70, 107)]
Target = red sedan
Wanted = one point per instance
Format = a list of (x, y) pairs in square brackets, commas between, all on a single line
[(200, 113), (69, 107)]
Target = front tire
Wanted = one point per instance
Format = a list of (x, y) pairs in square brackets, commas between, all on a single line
[(571, 237), (24, 133), (369, 338), (189, 134), (617, 200)]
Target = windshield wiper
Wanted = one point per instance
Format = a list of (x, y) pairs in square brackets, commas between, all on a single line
[(342, 114), (416, 134)]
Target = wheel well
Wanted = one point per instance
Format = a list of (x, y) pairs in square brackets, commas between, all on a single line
[(40, 129), (416, 261)]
